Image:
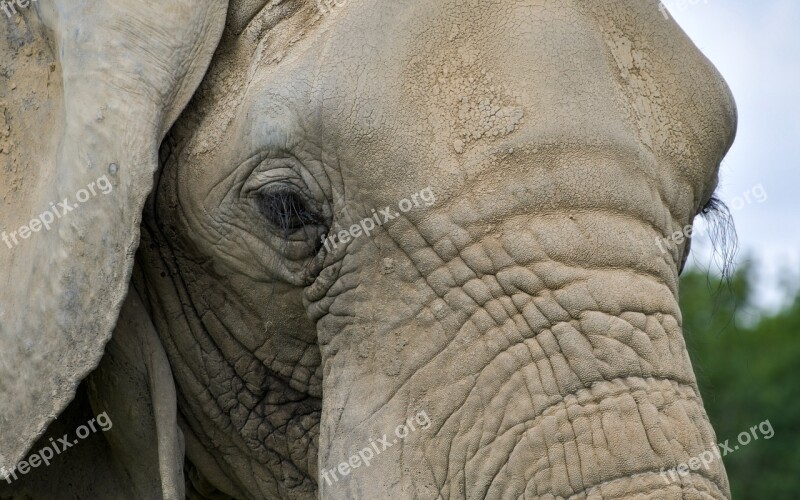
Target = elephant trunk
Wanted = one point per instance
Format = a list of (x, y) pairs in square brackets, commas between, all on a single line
[(486, 363)]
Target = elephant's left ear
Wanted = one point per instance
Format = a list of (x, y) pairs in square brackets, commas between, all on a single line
[(87, 94)]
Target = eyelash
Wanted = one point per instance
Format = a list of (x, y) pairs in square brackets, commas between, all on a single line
[(286, 210), (711, 205)]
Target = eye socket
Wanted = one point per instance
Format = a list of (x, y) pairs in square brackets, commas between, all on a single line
[(287, 211)]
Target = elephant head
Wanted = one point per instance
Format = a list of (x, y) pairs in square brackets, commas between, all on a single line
[(406, 249)]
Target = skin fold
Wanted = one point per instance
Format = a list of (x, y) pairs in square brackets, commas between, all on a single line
[(522, 305)]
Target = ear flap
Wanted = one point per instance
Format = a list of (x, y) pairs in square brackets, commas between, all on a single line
[(112, 76)]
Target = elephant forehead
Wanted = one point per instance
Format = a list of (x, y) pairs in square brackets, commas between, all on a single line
[(394, 85), (478, 70), (440, 81)]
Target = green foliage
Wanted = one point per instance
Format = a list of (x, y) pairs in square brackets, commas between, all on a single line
[(748, 372)]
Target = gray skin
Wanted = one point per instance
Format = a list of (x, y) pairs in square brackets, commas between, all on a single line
[(527, 310)]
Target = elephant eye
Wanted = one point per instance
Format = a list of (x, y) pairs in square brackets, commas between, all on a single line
[(287, 211)]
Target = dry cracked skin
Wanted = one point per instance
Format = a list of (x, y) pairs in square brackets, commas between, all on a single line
[(230, 310)]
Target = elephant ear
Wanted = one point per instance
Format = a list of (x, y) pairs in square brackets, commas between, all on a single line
[(85, 101)]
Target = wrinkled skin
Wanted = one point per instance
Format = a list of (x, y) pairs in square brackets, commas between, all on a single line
[(527, 310)]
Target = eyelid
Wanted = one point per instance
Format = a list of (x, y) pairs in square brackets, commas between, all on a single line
[(272, 170), (276, 187), (268, 172)]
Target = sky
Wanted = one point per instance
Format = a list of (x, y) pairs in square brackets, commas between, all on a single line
[(755, 44)]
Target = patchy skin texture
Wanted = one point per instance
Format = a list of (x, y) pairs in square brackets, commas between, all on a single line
[(125, 70), (528, 311)]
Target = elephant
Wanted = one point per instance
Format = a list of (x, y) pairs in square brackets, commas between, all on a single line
[(354, 249)]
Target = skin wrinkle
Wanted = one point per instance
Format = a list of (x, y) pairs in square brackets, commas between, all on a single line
[(531, 423), (209, 398), (231, 360), (584, 266), (179, 205), (208, 460), (473, 299), (175, 277), (195, 423), (653, 218), (658, 486), (439, 317), (478, 310), (577, 455), (212, 224), (459, 276), (561, 397), (639, 405)]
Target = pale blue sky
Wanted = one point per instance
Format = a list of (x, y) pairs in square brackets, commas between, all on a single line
[(755, 44)]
